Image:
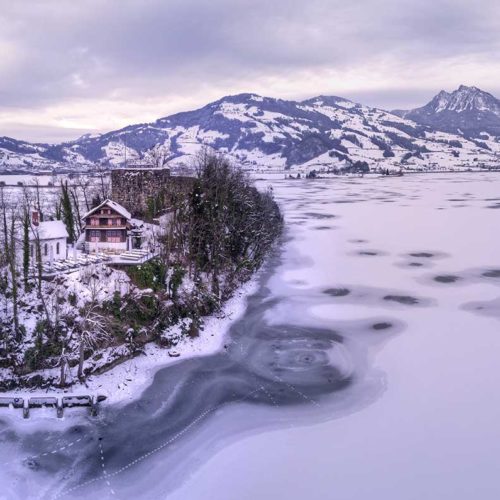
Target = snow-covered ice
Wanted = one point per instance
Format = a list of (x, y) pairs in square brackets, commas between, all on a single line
[(365, 366)]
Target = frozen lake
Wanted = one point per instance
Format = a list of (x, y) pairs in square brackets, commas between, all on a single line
[(366, 366)]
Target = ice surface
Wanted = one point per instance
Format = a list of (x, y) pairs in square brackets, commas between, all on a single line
[(325, 388)]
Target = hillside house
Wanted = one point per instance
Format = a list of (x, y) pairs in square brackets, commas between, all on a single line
[(109, 227)]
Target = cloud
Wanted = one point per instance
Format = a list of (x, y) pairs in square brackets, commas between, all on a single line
[(105, 64)]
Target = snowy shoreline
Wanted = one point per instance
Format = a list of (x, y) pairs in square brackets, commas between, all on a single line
[(126, 381)]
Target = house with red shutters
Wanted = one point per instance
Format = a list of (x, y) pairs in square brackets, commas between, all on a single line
[(110, 228)]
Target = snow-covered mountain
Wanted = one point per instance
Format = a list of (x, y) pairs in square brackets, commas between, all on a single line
[(467, 110), (261, 132)]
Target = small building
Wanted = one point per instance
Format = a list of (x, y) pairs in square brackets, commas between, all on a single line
[(109, 227), (52, 236)]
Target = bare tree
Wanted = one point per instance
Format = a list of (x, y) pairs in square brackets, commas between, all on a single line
[(104, 186), (84, 186), (91, 327), (158, 155), (91, 331), (64, 367), (5, 225), (13, 277), (37, 198)]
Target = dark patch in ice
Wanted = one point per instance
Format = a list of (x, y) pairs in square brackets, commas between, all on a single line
[(384, 325), (358, 241), (496, 205), (324, 228), (485, 308), (337, 292), (316, 215), (422, 255), (447, 278), (31, 463), (413, 264), (427, 255), (369, 253), (492, 273), (407, 300)]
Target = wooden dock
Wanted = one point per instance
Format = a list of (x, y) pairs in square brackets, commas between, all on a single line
[(57, 403)]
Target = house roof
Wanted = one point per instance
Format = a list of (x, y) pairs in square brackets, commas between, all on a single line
[(50, 230), (114, 206)]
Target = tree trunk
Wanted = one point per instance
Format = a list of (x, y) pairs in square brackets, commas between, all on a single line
[(62, 378), (26, 249), (13, 273), (81, 360)]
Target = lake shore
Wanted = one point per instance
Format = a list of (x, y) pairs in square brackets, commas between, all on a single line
[(127, 380)]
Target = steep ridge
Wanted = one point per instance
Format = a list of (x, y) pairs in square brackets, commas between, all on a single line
[(263, 132)]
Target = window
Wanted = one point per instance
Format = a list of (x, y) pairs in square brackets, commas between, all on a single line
[(57, 248), (94, 235), (113, 236), (45, 249)]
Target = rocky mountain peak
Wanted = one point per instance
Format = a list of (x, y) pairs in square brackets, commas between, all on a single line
[(467, 109)]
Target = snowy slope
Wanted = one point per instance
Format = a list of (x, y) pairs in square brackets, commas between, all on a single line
[(263, 132)]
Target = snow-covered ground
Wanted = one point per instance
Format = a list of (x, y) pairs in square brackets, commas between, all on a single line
[(365, 366), (126, 381)]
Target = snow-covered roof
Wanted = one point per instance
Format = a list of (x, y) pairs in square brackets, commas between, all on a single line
[(50, 230), (114, 206)]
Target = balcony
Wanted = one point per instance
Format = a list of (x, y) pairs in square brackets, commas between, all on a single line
[(106, 226)]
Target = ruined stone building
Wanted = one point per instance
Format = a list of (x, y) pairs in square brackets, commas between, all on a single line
[(147, 192)]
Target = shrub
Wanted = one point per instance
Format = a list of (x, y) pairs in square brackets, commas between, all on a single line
[(176, 281), (148, 275)]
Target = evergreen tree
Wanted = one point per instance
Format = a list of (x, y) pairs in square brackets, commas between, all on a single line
[(67, 212), (58, 210)]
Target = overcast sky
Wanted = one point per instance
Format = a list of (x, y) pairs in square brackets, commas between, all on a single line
[(68, 67)]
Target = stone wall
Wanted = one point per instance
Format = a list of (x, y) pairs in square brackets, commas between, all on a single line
[(142, 191)]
